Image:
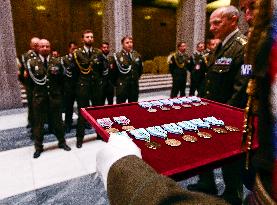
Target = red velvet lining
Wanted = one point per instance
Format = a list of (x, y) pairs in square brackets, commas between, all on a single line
[(174, 160)]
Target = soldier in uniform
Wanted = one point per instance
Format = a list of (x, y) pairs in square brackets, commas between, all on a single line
[(24, 76), (108, 73), (89, 88), (46, 75), (179, 63), (69, 84), (198, 68), (128, 69), (224, 83)]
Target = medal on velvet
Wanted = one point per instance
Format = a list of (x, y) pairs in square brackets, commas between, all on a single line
[(122, 120), (157, 131), (188, 126), (185, 102), (166, 102), (157, 103), (142, 134), (147, 105), (201, 124), (105, 122), (178, 102), (213, 121), (174, 129)]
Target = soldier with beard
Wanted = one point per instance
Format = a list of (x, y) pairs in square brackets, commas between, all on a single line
[(89, 88), (108, 74)]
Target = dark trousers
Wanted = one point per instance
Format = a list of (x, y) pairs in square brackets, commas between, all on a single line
[(108, 92), (29, 104), (178, 86), (88, 93), (41, 106), (69, 99), (127, 90), (194, 85)]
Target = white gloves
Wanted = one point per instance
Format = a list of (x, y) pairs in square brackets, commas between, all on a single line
[(117, 147)]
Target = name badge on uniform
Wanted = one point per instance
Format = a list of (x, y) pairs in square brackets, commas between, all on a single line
[(36, 68), (246, 70), (223, 61)]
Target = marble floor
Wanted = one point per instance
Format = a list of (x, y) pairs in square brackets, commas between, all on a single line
[(56, 177)]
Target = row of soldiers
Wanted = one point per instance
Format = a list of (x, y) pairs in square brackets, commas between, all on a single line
[(180, 63), (86, 73)]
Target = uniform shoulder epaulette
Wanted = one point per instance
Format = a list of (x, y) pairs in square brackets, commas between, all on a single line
[(242, 40), (169, 61)]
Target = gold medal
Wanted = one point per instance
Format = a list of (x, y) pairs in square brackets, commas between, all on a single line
[(176, 107), (220, 130), (165, 108), (152, 145), (189, 138), (186, 105), (204, 135), (112, 130), (173, 142), (231, 128), (196, 104), (128, 128), (151, 110)]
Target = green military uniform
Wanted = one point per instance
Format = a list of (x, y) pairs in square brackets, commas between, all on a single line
[(89, 86), (69, 88), (132, 181), (224, 83), (46, 78), (128, 69), (108, 75), (178, 65), (197, 70), (26, 81)]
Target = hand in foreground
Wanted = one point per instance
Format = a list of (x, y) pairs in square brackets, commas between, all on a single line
[(116, 148)]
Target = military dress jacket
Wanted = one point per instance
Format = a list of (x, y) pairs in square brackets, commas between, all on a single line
[(23, 71), (178, 65), (132, 181), (223, 80), (127, 67), (88, 67), (46, 81), (198, 62), (70, 70)]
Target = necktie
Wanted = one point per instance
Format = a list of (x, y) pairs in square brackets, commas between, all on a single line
[(45, 63), (89, 53), (129, 57)]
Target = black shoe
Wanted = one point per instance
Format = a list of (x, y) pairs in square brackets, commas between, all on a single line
[(64, 146), (37, 153), (79, 144), (202, 188)]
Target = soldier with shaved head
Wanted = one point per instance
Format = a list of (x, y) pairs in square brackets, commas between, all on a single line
[(46, 76)]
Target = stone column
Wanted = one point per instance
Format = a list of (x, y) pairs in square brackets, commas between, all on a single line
[(9, 85), (117, 21), (191, 20)]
